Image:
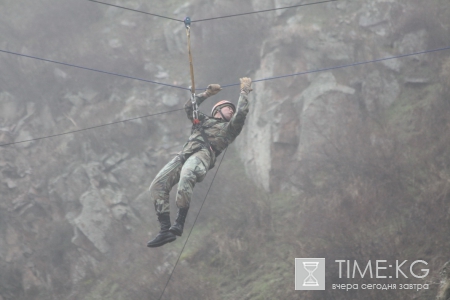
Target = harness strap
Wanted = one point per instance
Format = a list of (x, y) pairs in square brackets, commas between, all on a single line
[(205, 140), (187, 23), (195, 120)]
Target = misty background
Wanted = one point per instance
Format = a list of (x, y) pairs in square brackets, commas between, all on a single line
[(350, 163)]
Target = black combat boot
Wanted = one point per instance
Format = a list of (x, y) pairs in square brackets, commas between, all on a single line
[(164, 236), (177, 228)]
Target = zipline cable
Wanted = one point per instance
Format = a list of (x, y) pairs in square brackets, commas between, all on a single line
[(235, 84), (83, 129), (224, 86), (261, 11), (139, 11), (214, 18), (94, 70), (182, 249), (342, 66)]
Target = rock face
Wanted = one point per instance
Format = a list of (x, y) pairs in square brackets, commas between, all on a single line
[(94, 220), (290, 116), (444, 287), (73, 203)]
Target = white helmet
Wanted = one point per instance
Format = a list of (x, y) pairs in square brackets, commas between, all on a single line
[(221, 104)]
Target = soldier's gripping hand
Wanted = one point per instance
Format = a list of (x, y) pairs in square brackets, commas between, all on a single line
[(246, 85), (211, 90)]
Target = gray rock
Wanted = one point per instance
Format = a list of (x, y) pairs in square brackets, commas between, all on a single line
[(371, 19), (150, 67), (46, 119), (23, 136), (414, 80), (67, 188), (10, 107), (283, 3), (128, 23), (392, 64), (115, 43), (380, 91), (82, 267), (444, 285), (120, 211), (324, 101), (76, 100), (376, 18), (144, 208), (89, 95), (413, 42), (162, 75), (112, 160), (339, 51), (60, 74), (112, 198), (322, 84), (94, 220), (3, 245), (183, 9), (170, 99), (112, 13), (11, 184), (175, 38), (263, 4), (94, 171), (341, 5), (131, 173), (13, 245)]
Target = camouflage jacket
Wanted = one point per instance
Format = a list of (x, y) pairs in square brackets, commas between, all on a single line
[(220, 133)]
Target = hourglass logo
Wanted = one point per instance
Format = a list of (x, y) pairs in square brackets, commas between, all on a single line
[(310, 273)]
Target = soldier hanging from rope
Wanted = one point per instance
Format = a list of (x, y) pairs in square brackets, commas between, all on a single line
[(209, 137)]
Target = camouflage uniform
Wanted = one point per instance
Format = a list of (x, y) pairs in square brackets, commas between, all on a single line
[(194, 161)]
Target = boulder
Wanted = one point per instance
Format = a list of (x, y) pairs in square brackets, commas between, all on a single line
[(94, 220)]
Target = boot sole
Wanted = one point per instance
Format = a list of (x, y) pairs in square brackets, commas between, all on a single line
[(169, 240), (176, 232)]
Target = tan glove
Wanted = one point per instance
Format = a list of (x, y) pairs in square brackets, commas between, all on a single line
[(211, 90), (246, 85)]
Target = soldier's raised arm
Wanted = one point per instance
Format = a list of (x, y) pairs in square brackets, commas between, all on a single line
[(238, 119)]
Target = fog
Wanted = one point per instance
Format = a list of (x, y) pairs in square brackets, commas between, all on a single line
[(348, 160)]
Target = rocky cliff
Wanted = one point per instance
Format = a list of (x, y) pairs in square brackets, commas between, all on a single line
[(290, 111)]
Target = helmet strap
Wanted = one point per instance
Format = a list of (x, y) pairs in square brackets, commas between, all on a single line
[(223, 117)]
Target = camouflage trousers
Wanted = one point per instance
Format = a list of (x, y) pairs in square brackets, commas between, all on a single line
[(186, 175)]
